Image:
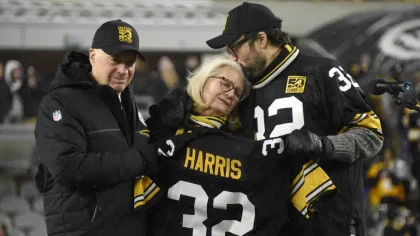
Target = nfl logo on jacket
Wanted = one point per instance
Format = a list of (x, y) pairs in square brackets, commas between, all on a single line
[(57, 115)]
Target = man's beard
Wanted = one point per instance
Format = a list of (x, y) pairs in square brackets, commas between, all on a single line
[(256, 65)]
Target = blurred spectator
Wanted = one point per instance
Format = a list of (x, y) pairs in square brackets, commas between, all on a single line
[(396, 72), (32, 95), (396, 224), (355, 71), (359, 69), (417, 83), (192, 62), (3, 230), (14, 78), (387, 189), (364, 63), (412, 225), (411, 128), (164, 79), (390, 180), (141, 78), (5, 96)]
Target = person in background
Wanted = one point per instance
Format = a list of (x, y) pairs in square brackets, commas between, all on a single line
[(5, 96), (191, 63), (164, 79), (397, 224), (390, 180), (32, 95), (3, 230), (14, 77)]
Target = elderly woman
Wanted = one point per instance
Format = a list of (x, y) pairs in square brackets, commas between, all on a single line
[(214, 182), (214, 89)]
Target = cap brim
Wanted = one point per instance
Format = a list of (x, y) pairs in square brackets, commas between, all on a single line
[(222, 40), (114, 49)]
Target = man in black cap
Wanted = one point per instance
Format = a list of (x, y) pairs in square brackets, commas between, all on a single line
[(315, 105), (92, 140)]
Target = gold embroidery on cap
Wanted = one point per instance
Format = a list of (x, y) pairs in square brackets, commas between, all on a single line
[(224, 26), (125, 34)]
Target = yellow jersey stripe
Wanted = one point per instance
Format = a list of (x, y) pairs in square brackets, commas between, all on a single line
[(144, 190), (328, 184), (367, 120), (208, 121), (308, 185), (150, 196), (299, 180), (179, 131), (145, 132)]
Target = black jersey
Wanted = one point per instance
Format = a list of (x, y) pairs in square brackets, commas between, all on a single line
[(220, 184), (315, 94)]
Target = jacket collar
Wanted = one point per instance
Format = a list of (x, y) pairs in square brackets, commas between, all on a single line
[(279, 64)]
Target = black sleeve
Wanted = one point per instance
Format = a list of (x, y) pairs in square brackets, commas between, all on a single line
[(63, 149), (347, 101), (358, 128)]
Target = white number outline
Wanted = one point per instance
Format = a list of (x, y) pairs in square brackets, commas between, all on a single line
[(272, 143), (169, 152), (347, 79), (281, 129), (220, 202)]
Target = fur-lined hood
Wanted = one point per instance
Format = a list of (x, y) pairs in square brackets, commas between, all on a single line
[(8, 69)]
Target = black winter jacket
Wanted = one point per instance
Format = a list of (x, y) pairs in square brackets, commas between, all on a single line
[(90, 154)]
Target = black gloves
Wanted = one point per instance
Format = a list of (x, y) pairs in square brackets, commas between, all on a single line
[(307, 145), (168, 115)]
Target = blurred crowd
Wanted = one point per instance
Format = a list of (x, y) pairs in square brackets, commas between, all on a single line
[(22, 89), (392, 178)]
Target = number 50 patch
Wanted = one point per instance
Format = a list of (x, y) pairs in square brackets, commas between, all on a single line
[(295, 84)]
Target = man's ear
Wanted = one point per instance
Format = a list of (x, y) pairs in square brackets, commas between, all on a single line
[(262, 40), (92, 54)]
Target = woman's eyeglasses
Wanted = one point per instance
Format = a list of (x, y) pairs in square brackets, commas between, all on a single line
[(227, 85)]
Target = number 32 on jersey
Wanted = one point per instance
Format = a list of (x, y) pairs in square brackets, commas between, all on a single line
[(221, 201), (280, 129), (297, 108)]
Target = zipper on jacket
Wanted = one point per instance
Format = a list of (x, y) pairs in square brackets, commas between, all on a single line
[(94, 213), (96, 209)]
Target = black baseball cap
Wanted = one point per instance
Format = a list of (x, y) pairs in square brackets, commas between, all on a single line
[(117, 36), (243, 19)]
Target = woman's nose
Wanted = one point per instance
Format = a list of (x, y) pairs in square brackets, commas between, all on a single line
[(230, 93)]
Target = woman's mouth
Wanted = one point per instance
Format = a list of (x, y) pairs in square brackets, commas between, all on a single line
[(226, 103)]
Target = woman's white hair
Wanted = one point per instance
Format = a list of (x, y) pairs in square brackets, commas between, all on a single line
[(198, 78)]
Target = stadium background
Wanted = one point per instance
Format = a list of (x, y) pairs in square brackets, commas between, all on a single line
[(371, 39)]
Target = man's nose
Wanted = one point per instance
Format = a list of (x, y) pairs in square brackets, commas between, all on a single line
[(123, 69)]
